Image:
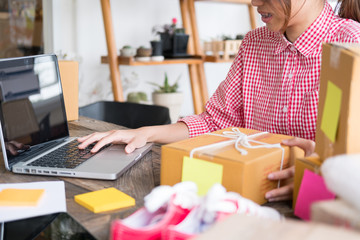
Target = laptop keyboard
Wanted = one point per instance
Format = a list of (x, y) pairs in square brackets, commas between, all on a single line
[(67, 156)]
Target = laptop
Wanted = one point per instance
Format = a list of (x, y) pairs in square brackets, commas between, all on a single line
[(34, 131)]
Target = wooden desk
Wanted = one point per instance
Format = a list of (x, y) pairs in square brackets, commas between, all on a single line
[(137, 182)]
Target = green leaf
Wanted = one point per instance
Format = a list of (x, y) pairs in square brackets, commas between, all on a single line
[(166, 87)]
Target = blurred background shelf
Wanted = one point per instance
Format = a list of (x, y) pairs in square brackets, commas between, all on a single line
[(215, 59), (195, 65), (132, 62)]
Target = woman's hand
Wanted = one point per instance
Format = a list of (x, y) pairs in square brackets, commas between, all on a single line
[(285, 192), (132, 138), (307, 145), (136, 138)]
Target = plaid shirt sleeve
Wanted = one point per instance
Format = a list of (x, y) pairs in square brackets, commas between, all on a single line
[(224, 108)]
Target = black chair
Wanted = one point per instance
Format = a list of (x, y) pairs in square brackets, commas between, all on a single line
[(130, 115)]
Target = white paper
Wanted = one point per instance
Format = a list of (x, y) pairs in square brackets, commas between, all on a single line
[(53, 201)]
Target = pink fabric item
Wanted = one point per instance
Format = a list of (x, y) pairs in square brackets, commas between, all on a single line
[(217, 205), (143, 225)]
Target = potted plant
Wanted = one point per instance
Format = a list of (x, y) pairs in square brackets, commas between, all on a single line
[(156, 44), (137, 97), (143, 54), (168, 96), (157, 52), (127, 51), (174, 40)]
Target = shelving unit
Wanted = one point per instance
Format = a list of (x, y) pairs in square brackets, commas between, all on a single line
[(130, 61), (195, 65), (215, 59)]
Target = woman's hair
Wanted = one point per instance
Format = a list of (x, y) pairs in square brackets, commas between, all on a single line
[(286, 8), (349, 9), (346, 8)]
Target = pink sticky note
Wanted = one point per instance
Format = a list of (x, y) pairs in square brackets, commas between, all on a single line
[(312, 189)]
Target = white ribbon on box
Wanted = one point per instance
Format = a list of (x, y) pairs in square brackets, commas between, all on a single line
[(241, 140)]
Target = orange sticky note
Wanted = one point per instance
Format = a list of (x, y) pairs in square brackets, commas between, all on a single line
[(20, 197), (205, 174), (104, 200)]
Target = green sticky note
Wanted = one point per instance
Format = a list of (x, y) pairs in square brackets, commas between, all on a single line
[(205, 174), (331, 113)]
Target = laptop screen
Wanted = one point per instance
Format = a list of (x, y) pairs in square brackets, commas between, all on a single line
[(32, 110)]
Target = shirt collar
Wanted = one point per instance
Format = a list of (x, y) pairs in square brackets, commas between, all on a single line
[(309, 40)]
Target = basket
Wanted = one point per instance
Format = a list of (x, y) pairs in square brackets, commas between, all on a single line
[(222, 49)]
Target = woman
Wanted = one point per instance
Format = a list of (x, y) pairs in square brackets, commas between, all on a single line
[(272, 85)]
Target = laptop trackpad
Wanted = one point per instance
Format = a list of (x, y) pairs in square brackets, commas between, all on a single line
[(113, 159)]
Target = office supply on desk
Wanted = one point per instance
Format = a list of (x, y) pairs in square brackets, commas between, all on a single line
[(11, 197), (53, 201), (34, 132), (104, 200)]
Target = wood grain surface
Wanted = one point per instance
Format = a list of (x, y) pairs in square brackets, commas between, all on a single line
[(137, 182)]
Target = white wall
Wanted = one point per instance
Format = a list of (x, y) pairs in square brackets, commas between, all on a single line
[(79, 31)]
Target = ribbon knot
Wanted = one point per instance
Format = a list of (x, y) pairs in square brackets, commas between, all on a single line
[(241, 141)]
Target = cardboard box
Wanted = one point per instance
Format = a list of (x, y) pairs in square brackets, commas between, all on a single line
[(340, 84), (336, 212), (245, 174), (244, 227), (69, 73), (311, 163)]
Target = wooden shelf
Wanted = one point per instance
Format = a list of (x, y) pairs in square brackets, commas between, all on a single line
[(130, 61), (214, 59), (195, 65)]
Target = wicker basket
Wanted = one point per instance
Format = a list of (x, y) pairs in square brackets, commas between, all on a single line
[(222, 49)]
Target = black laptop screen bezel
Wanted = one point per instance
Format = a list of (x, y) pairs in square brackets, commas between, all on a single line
[(22, 62)]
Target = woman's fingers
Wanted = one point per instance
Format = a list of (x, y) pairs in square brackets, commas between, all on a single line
[(279, 194), (282, 174), (134, 144), (94, 137), (284, 192), (111, 137), (307, 145), (133, 138)]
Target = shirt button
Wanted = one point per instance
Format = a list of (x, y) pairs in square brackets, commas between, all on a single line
[(290, 75), (293, 48), (285, 109)]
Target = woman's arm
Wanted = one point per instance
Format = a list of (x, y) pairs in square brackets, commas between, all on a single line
[(136, 138)]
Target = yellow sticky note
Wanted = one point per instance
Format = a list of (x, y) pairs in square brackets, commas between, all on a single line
[(13, 197), (205, 174), (331, 113), (104, 200)]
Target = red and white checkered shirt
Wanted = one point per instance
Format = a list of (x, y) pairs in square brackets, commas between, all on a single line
[(273, 84)]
